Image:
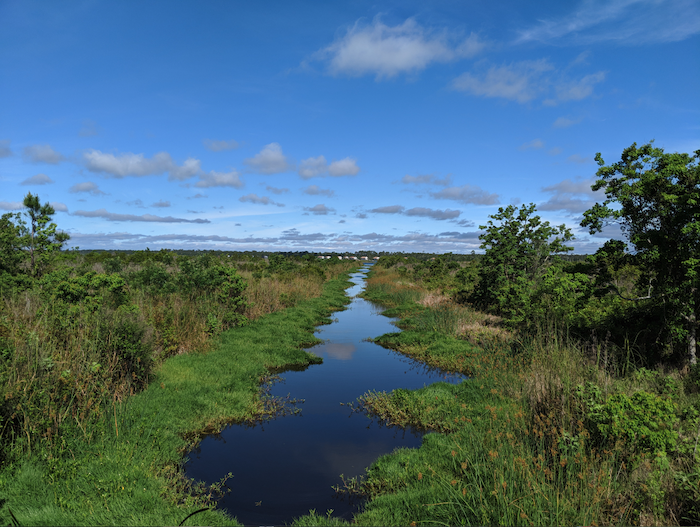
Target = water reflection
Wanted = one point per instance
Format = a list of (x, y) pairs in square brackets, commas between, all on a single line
[(289, 465)]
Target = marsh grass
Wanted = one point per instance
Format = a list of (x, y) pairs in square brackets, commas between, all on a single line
[(99, 406), (519, 443)]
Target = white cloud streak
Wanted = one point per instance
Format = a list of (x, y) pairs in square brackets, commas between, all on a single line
[(5, 150), (219, 179), (87, 187), (149, 218), (319, 167), (629, 22)]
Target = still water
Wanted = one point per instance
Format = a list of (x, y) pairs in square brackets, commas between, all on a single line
[(287, 466)]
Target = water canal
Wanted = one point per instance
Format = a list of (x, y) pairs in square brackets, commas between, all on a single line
[(287, 466)]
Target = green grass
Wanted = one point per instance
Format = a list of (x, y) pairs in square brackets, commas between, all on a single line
[(123, 469)]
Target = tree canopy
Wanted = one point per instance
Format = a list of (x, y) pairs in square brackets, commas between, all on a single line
[(655, 199)]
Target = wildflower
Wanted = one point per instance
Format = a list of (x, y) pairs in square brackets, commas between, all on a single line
[(464, 465), (420, 475), (453, 482), (454, 453), (493, 454)]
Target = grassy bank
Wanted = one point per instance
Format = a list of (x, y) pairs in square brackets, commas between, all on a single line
[(121, 466), (541, 434)]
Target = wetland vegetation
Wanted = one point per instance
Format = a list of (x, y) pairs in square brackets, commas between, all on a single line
[(582, 407)]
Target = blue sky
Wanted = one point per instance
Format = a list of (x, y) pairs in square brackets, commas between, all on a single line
[(332, 126)]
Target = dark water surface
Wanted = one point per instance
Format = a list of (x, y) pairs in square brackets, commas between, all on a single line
[(287, 466)]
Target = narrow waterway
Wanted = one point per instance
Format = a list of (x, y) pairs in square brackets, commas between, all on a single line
[(287, 466)]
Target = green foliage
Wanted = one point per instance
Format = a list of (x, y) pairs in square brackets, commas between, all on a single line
[(644, 422), (40, 238), (10, 244), (519, 251), (655, 197)]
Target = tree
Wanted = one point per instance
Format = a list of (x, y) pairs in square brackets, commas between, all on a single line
[(10, 253), (518, 252), (655, 199), (41, 239)]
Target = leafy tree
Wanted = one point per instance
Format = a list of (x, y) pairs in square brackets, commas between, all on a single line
[(10, 254), (655, 199), (519, 250), (40, 238)]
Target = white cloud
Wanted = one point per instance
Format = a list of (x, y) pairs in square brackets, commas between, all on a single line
[(384, 51), (313, 167), (129, 164), (467, 194), (11, 205), (535, 144), (344, 167), (390, 209), (270, 160), (276, 190), (319, 167), (38, 179), (259, 200), (575, 158), (427, 179), (220, 145), (623, 21), (42, 154), (315, 190), (554, 151), (219, 179), (563, 122), (88, 187), (150, 218), (572, 196), (161, 204), (446, 214), (521, 81), (58, 206), (580, 89), (319, 209), (5, 150)]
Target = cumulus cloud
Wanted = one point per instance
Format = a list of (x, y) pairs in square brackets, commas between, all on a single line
[(88, 187), (11, 205), (161, 204), (385, 51), (259, 200), (521, 81), (361, 215), (58, 206), (42, 154), (5, 150), (467, 194), (577, 89), (629, 22), (129, 164), (319, 209), (38, 179), (89, 129), (428, 179), (270, 160), (535, 144), (276, 190), (220, 145), (219, 179), (315, 190), (114, 216), (574, 196), (319, 167)]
